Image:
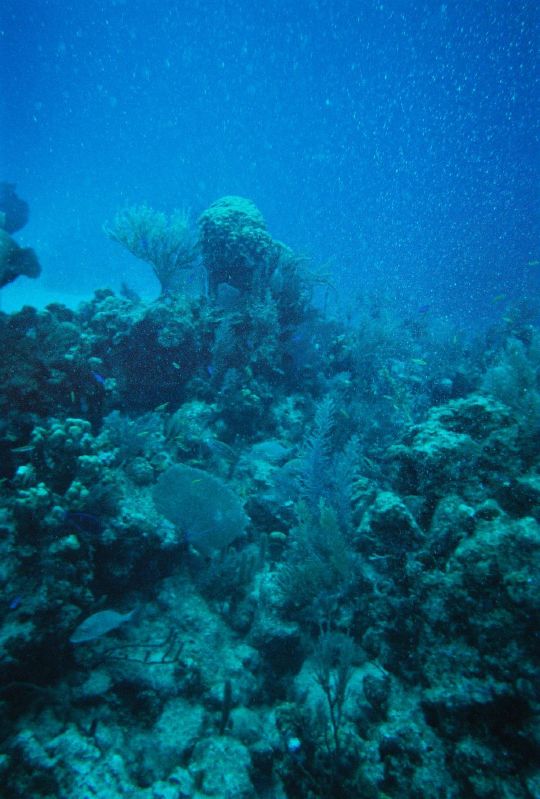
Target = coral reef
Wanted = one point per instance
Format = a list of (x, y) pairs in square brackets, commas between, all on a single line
[(325, 533)]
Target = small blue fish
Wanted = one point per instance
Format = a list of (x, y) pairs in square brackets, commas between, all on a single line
[(98, 378), (15, 603)]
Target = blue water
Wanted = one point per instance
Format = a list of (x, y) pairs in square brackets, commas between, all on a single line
[(395, 143)]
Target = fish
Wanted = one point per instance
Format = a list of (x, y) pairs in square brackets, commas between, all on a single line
[(219, 448), (98, 378), (99, 624), (83, 522), (535, 262)]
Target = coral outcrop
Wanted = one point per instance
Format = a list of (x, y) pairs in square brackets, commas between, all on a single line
[(236, 247), (326, 535)]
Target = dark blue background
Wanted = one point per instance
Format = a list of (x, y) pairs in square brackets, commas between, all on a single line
[(396, 140)]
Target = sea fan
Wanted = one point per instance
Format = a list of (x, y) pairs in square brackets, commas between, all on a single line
[(204, 509)]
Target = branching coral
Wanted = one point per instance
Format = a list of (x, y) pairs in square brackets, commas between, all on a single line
[(167, 243)]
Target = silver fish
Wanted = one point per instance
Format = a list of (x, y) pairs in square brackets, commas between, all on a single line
[(99, 624)]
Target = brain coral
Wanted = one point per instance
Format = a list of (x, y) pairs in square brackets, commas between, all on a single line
[(234, 243)]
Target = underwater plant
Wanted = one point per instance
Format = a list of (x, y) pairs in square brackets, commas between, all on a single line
[(167, 243), (318, 568), (334, 655), (514, 379), (316, 475)]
